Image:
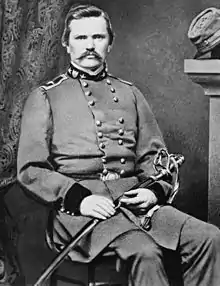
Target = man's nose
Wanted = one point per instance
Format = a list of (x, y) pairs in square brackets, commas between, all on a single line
[(90, 44)]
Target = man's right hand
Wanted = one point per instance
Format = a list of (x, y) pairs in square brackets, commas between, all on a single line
[(97, 206)]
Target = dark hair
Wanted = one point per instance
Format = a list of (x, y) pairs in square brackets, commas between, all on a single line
[(85, 11)]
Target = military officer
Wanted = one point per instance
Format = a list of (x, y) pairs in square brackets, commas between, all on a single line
[(87, 138)]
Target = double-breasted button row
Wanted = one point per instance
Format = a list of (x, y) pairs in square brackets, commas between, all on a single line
[(92, 102), (121, 131), (97, 122), (89, 93), (63, 210), (121, 142), (112, 89)]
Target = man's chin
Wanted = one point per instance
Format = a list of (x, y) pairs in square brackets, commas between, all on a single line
[(91, 64)]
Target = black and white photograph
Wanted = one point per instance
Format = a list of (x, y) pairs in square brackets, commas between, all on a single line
[(109, 143)]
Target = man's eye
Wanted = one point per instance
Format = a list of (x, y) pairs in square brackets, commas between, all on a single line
[(99, 36), (80, 37)]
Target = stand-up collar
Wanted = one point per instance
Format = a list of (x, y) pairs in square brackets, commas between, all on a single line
[(75, 71)]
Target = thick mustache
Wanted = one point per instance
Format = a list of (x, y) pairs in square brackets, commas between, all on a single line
[(90, 53)]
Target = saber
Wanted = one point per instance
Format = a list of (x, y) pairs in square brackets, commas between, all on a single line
[(179, 159), (63, 254)]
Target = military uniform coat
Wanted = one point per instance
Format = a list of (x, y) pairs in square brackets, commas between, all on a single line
[(75, 131)]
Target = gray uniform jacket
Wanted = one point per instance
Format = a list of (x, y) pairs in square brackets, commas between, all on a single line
[(76, 131)]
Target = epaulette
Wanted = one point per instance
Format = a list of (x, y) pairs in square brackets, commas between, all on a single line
[(55, 82), (124, 81)]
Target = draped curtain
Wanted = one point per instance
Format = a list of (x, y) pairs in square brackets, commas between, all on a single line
[(30, 54)]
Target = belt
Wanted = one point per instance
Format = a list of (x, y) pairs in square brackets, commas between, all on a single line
[(110, 176)]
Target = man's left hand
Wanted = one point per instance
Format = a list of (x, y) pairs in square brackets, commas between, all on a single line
[(139, 199)]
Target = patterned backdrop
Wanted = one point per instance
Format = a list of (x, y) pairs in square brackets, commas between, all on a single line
[(31, 53)]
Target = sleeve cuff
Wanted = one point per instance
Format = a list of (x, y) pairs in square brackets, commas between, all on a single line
[(158, 190), (73, 199)]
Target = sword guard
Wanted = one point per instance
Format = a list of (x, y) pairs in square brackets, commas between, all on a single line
[(147, 223)]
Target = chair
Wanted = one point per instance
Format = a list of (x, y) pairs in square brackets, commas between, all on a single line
[(108, 270), (102, 271), (34, 250)]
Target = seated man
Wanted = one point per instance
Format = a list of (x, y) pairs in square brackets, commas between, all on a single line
[(87, 138)]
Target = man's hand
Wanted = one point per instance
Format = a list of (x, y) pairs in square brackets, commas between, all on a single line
[(97, 206), (139, 200)]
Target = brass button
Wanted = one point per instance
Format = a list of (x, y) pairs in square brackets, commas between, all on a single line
[(108, 81), (120, 142), (85, 84), (105, 172), (121, 120), (112, 89), (102, 145), (100, 134), (104, 160), (122, 172), (92, 103), (122, 160), (98, 123), (88, 93), (115, 99), (121, 132)]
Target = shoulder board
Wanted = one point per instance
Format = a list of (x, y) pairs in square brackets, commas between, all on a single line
[(124, 81), (54, 82)]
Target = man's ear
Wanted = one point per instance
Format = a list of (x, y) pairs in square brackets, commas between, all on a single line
[(66, 46), (67, 49), (109, 48)]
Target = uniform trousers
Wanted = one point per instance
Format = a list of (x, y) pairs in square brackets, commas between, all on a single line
[(198, 251)]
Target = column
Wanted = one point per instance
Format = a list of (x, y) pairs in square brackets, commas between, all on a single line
[(207, 74)]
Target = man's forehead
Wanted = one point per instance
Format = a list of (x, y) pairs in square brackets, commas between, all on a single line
[(89, 25)]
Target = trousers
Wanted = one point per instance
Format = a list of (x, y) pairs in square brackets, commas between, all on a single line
[(198, 252)]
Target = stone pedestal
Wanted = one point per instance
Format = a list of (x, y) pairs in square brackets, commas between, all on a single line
[(207, 74)]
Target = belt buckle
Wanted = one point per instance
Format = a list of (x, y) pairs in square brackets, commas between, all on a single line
[(111, 176)]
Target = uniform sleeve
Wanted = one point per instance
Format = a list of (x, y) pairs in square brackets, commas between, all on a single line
[(149, 142), (35, 170)]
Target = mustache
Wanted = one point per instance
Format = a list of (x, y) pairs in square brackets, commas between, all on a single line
[(90, 53)]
